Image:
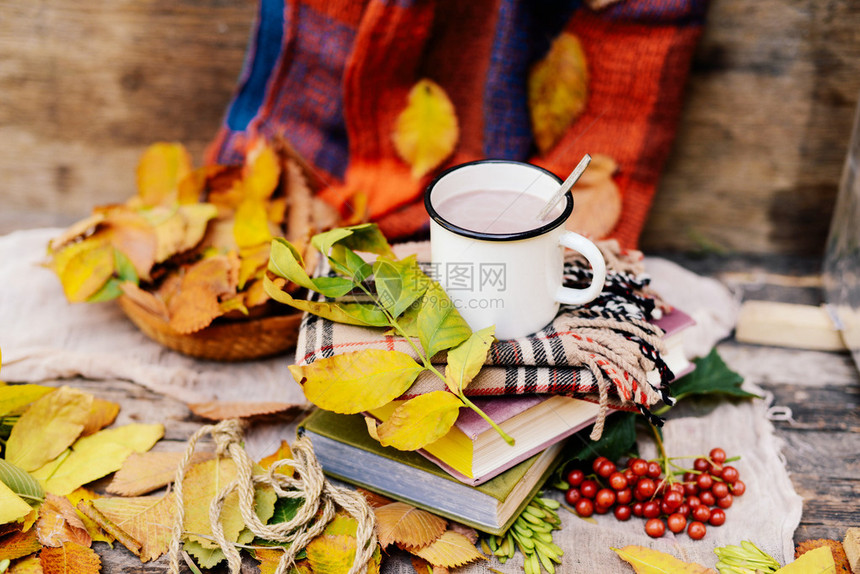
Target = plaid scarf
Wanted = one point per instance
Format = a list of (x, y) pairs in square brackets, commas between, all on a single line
[(605, 351)]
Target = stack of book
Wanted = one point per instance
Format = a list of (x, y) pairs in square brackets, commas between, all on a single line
[(470, 475)]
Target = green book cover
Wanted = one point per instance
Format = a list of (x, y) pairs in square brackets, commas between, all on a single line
[(347, 452)]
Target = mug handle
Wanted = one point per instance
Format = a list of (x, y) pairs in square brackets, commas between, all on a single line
[(592, 254)]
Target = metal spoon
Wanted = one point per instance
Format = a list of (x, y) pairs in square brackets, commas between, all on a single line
[(565, 187)]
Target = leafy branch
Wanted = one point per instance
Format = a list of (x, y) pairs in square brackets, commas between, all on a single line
[(397, 295)]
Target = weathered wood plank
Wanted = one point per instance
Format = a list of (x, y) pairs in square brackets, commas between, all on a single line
[(821, 408)]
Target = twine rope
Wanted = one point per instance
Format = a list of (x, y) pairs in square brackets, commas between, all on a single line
[(308, 483)]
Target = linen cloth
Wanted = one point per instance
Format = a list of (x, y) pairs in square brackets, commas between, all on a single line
[(43, 338), (332, 76)]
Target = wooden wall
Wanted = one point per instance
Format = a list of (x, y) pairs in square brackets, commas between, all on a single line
[(86, 86)]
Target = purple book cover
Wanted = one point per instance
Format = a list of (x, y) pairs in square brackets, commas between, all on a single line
[(674, 322)]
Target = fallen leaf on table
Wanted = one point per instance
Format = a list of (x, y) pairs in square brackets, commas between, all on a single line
[(648, 561), (839, 557), (426, 131), (222, 410), (331, 554), (98, 455), (70, 558), (28, 565), (557, 90), (148, 520), (51, 424), (373, 499), (283, 452), (268, 559), (420, 421), (470, 533), (102, 414), (82, 495), (402, 523), (59, 523), (423, 567), (19, 544), (160, 169), (449, 551), (15, 398), (817, 561), (144, 472)]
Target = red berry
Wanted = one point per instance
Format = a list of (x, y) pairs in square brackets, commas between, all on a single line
[(637, 509), (684, 509), (630, 476), (624, 496), (617, 481), (720, 489), (654, 470), (655, 528), (584, 507), (691, 488), (572, 495), (598, 509), (693, 501), (676, 522), (606, 469), (725, 501), (704, 481), (716, 469), (701, 513), (696, 530), (575, 477), (622, 512), (730, 474), (690, 476), (677, 487), (718, 517), (604, 497), (701, 464), (673, 499), (738, 487), (645, 488), (595, 464), (717, 455), (588, 488), (651, 509), (707, 497), (639, 466)]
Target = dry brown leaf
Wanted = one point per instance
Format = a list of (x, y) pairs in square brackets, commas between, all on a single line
[(283, 452), (596, 200), (648, 561), (77, 230), (373, 499), (148, 520), (102, 414), (255, 294), (323, 215), (133, 236), (300, 206), (405, 524), (145, 299), (70, 558), (82, 496), (470, 533), (839, 557), (92, 514), (19, 544), (59, 524), (449, 551), (197, 303), (557, 90), (144, 472), (221, 410)]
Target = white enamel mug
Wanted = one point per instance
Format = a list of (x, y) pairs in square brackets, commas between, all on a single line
[(510, 280)]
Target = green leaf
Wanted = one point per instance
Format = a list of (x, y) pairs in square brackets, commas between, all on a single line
[(358, 381), (286, 509), (364, 314), (206, 557), (619, 436), (398, 283), (353, 265), (711, 376), (466, 359), (124, 268), (20, 482), (364, 237), (440, 325), (108, 292), (285, 261), (420, 421)]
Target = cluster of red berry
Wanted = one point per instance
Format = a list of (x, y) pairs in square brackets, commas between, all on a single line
[(641, 489)]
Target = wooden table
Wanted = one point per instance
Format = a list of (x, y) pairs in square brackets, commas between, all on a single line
[(822, 389)]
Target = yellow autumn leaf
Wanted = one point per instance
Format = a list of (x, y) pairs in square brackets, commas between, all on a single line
[(70, 558), (353, 382), (15, 398), (818, 561), (557, 90), (160, 169), (329, 554), (93, 529), (59, 523), (268, 559), (51, 424), (84, 267), (262, 171), (98, 455), (147, 519), (143, 472), (12, 506), (420, 421), (102, 413), (450, 550), (178, 229), (648, 561), (251, 225), (19, 544), (283, 452), (253, 262), (426, 131), (401, 523), (466, 359), (28, 565)]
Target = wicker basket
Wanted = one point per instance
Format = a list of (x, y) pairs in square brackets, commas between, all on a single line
[(238, 340)]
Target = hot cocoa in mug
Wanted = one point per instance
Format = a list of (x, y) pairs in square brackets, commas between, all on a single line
[(498, 262)]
